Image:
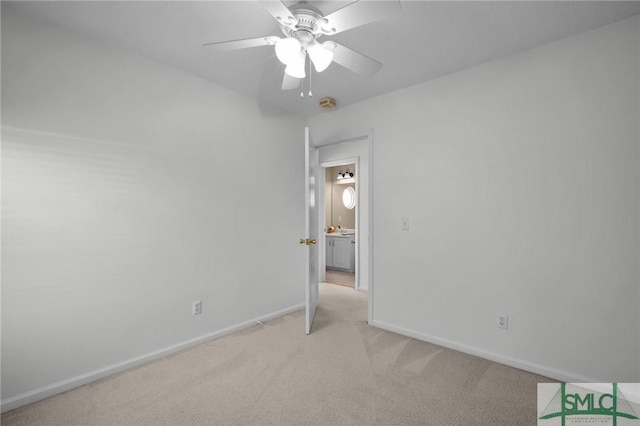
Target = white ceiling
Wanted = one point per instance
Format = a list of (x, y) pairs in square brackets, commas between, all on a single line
[(427, 39)]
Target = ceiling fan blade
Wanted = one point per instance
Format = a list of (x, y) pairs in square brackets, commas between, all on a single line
[(359, 13), (352, 60), (278, 10), (223, 46), (290, 83)]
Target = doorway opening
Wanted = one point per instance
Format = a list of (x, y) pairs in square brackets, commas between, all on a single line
[(356, 152), (340, 213)]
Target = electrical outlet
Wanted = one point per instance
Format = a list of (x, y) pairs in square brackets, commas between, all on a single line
[(503, 321), (197, 307)]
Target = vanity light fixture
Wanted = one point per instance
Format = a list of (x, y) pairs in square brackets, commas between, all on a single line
[(344, 175)]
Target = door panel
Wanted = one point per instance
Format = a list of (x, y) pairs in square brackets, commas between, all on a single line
[(312, 267)]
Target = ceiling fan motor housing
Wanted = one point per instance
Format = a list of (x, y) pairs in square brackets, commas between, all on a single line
[(309, 24), (304, 37)]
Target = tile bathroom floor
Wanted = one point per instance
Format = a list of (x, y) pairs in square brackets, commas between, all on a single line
[(347, 279)]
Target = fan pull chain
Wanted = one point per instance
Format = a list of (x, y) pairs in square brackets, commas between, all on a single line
[(302, 90), (310, 93)]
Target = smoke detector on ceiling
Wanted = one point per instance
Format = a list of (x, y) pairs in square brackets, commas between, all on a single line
[(327, 103)]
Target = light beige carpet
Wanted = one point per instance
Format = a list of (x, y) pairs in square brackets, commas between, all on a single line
[(344, 373)]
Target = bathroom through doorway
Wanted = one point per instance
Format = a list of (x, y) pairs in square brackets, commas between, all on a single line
[(340, 215)]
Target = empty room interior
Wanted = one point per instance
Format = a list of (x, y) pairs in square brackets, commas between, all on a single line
[(453, 188)]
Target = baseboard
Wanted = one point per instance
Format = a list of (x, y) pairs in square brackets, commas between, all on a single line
[(83, 379), (562, 376)]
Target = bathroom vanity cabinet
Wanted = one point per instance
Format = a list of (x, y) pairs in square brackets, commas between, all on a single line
[(341, 252)]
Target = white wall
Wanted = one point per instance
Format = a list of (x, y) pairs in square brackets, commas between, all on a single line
[(129, 190), (521, 181)]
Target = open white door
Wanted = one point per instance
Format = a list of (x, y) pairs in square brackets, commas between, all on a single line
[(312, 270)]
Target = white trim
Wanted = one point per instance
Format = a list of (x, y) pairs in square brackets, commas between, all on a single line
[(560, 375), (347, 139), (77, 381), (322, 248), (370, 242), (321, 213), (341, 162)]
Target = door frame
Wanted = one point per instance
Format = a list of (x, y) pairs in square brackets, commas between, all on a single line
[(355, 155)]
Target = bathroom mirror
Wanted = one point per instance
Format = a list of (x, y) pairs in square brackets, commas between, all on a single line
[(349, 197)]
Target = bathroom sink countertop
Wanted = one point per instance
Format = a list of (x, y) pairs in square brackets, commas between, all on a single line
[(338, 234)]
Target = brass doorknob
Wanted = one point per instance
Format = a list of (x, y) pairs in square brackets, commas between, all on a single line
[(307, 241)]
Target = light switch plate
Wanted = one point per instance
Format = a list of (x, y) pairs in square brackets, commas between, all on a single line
[(404, 224), (197, 307)]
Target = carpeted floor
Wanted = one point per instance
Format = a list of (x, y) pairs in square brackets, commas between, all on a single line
[(344, 373)]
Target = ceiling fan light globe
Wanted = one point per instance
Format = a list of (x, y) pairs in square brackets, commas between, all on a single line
[(320, 57), (287, 50), (329, 45), (295, 68)]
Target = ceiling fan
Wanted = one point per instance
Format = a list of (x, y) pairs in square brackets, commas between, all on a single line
[(303, 24)]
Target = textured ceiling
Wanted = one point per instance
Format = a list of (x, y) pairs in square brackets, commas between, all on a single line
[(425, 40)]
